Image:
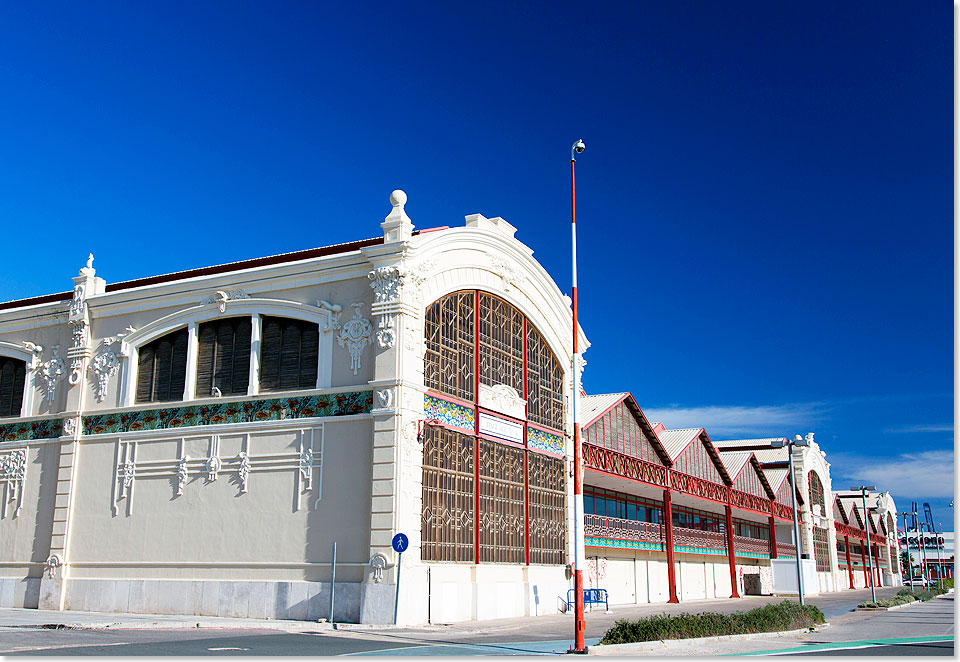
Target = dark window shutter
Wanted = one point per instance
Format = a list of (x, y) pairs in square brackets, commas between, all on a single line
[(162, 368), (270, 354), (223, 358), (12, 376), (288, 354)]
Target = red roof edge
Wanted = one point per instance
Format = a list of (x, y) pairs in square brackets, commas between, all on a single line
[(210, 271)]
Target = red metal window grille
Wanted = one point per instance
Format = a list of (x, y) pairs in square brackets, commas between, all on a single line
[(501, 503), (449, 337), (544, 382), (500, 339), (821, 549), (447, 515), (547, 508)]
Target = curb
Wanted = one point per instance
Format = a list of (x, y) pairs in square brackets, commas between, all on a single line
[(646, 646), (284, 626)]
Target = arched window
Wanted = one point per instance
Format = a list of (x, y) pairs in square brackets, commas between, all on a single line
[(13, 375), (486, 500), (462, 323), (162, 368), (821, 539)]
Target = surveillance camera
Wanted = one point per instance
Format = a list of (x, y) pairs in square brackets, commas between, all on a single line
[(579, 146)]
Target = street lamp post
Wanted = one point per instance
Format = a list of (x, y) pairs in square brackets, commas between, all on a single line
[(796, 441), (906, 540), (924, 570), (863, 489), (937, 536), (579, 554)]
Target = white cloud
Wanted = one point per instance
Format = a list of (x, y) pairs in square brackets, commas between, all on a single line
[(912, 429), (922, 475), (740, 421)]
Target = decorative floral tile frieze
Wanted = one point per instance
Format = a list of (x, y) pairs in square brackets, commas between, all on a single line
[(622, 544), (248, 411), (448, 413), (46, 429), (544, 441)]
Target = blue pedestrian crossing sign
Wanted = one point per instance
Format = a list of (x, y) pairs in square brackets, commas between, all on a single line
[(400, 543)]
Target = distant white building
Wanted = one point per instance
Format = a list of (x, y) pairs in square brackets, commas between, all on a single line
[(937, 565)]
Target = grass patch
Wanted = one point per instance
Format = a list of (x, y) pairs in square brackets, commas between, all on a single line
[(785, 615)]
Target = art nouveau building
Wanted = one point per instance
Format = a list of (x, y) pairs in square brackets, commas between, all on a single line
[(197, 442)]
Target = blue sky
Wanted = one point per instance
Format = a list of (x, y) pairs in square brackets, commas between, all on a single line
[(765, 203)]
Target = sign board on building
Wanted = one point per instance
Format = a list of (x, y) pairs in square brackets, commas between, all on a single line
[(501, 428)]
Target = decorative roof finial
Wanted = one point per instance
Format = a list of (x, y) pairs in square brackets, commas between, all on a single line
[(398, 198), (397, 226), (90, 261)]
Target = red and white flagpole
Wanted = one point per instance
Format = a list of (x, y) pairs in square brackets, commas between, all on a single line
[(579, 556)]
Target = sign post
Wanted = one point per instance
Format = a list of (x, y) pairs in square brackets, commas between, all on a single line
[(400, 543)]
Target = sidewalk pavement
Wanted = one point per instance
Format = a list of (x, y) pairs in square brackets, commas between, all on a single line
[(552, 626)]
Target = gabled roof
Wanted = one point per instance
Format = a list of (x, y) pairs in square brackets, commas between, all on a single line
[(838, 503), (677, 441), (850, 506), (734, 462), (760, 447), (775, 477), (593, 407)]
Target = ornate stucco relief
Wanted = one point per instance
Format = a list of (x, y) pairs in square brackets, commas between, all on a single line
[(355, 335), (13, 473), (386, 283), (50, 374), (306, 465)]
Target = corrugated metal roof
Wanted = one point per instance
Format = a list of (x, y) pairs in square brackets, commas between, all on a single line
[(734, 461), (592, 406), (675, 441), (775, 477), (763, 455)]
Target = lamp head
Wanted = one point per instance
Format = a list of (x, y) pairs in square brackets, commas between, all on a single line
[(577, 148)]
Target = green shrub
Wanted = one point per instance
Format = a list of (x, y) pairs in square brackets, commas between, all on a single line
[(898, 599), (921, 593), (948, 583), (786, 615)]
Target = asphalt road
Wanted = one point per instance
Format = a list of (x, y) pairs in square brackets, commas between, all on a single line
[(543, 635)]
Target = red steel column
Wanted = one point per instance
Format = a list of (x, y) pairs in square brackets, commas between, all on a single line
[(668, 523), (731, 552), (849, 563), (773, 538)]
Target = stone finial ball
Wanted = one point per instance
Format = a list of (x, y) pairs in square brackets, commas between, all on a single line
[(398, 198)]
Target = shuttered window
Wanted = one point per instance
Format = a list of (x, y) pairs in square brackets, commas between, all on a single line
[(13, 373), (162, 368), (223, 356), (288, 354)]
